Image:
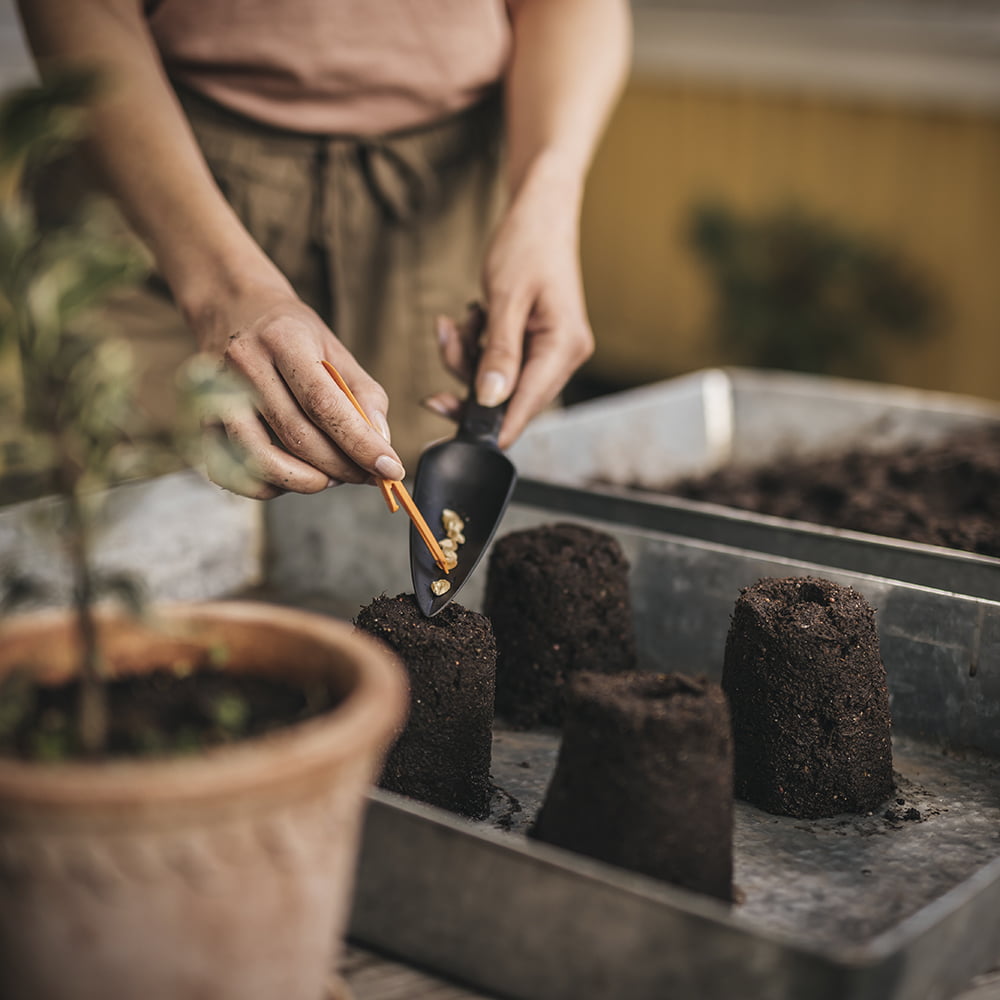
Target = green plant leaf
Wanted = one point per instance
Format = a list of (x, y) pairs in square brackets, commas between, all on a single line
[(231, 713), (38, 121)]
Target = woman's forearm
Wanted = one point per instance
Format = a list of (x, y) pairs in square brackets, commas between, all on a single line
[(567, 68), (297, 432), (146, 151)]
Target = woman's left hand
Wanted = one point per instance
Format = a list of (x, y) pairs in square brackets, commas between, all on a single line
[(537, 330)]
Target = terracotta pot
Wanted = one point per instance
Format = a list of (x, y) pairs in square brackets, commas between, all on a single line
[(224, 875)]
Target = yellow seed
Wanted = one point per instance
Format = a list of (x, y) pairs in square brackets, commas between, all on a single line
[(439, 587), (447, 544), (451, 522)]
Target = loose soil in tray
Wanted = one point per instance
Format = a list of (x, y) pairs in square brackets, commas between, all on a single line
[(155, 714), (946, 493)]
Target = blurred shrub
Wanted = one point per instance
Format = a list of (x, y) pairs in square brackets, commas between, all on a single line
[(797, 292)]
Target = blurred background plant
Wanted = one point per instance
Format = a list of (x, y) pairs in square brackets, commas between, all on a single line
[(71, 425), (793, 291)]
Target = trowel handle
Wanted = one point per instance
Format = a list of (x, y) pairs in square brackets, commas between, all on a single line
[(480, 424)]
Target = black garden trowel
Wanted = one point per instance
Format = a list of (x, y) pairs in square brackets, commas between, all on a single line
[(470, 476)]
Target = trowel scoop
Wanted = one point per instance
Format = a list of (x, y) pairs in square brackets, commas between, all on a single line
[(467, 474)]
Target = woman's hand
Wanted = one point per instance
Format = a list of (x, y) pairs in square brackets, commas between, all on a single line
[(568, 64), (295, 431), (537, 330)]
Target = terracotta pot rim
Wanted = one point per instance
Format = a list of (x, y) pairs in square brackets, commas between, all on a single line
[(363, 720)]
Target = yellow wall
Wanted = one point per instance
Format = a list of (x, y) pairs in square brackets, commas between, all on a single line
[(924, 181)]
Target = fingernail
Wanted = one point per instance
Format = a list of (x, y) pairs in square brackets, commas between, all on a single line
[(388, 468), (443, 328), (492, 389), (334, 482), (435, 406), (381, 424)]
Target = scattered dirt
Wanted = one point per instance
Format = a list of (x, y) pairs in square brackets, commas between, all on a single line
[(911, 804), (947, 493), (505, 809), (809, 700), (443, 755), (156, 714), (898, 815)]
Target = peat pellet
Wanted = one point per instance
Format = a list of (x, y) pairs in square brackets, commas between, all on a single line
[(442, 757), (644, 779), (558, 598), (810, 706)]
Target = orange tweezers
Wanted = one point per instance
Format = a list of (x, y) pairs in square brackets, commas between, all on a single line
[(394, 488)]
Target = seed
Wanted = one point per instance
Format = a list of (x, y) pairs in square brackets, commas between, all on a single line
[(453, 526), (451, 522)]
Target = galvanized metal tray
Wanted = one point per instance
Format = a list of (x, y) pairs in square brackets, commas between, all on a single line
[(607, 459), (854, 907)]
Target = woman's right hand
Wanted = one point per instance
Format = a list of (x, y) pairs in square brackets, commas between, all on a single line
[(297, 432), (294, 431)]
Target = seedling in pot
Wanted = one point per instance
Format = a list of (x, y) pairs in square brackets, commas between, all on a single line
[(78, 430)]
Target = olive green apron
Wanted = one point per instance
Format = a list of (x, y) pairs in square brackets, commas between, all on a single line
[(378, 234)]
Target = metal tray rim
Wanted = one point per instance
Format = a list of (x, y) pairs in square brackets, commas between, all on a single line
[(893, 939), (741, 514), (577, 501), (737, 376)]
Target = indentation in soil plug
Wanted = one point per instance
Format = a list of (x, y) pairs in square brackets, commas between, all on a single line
[(442, 756), (644, 779), (558, 598), (809, 701)]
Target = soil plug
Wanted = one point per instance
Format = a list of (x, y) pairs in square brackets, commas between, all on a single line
[(809, 700), (644, 779), (443, 755), (558, 598)]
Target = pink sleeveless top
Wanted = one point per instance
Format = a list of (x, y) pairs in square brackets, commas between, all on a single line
[(334, 66)]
